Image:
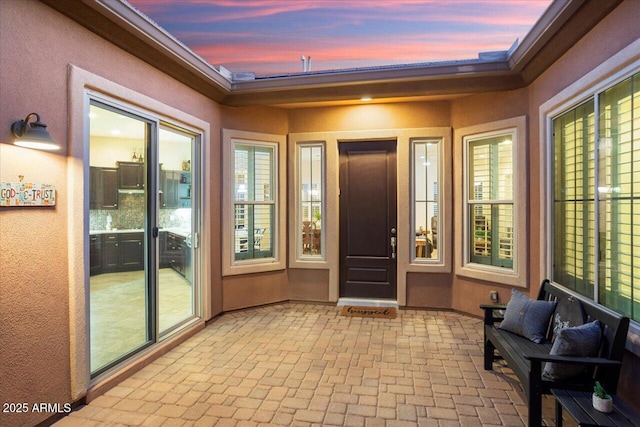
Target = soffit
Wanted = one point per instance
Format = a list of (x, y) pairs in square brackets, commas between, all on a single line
[(115, 22), (562, 25)]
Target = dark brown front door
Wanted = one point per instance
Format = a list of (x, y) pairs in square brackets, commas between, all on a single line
[(368, 219)]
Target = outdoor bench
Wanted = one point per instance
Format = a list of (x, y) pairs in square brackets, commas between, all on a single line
[(527, 358)]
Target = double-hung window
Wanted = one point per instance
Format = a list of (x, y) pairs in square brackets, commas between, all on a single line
[(596, 205), (493, 206), (254, 202), (490, 199), (253, 215)]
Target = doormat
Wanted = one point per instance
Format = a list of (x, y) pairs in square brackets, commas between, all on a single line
[(379, 312)]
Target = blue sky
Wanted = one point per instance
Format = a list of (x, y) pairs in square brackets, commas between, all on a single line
[(269, 36)]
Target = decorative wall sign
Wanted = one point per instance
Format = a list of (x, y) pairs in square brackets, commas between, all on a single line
[(27, 194)]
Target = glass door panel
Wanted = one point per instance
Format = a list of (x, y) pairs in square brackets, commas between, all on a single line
[(119, 296), (175, 278)]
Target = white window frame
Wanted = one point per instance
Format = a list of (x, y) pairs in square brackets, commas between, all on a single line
[(518, 274), (439, 201), (231, 266), (297, 247), (620, 66)]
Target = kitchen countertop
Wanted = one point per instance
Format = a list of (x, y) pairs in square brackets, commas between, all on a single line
[(179, 231)]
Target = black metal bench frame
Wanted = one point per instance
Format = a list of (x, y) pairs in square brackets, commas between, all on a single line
[(526, 358)]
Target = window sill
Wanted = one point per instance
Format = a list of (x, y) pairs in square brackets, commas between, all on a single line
[(262, 265), (488, 273)]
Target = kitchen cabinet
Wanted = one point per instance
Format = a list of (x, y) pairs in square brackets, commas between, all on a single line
[(175, 251), (169, 189), (95, 254), (175, 189), (184, 190), (114, 252), (110, 253), (131, 252), (103, 188), (131, 176), (165, 258)]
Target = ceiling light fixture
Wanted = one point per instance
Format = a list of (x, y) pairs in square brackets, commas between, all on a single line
[(33, 135)]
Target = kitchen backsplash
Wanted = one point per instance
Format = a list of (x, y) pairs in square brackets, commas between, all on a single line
[(130, 215)]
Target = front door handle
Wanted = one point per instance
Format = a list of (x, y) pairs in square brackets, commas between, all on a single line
[(393, 248)]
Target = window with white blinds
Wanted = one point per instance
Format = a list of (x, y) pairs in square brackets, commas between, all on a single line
[(254, 203), (596, 205), (490, 201), (574, 186)]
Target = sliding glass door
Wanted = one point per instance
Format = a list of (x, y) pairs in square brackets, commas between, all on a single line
[(143, 226), (175, 291)]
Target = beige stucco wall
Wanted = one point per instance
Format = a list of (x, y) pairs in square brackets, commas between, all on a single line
[(36, 46), (369, 116), (467, 294), (259, 288), (619, 29), (616, 31)]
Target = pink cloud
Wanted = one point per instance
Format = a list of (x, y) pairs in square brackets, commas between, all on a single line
[(339, 32)]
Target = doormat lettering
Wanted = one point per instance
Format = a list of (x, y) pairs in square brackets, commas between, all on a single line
[(379, 312)]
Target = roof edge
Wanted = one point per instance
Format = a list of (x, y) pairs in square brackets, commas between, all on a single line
[(518, 66), (553, 18), (127, 16)]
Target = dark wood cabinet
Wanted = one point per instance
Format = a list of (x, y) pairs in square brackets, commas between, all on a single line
[(165, 258), (184, 189), (113, 252), (110, 253), (175, 187), (95, 254), (176, 252), (103, 188), (131, 251), (169, 189), (131, 176)]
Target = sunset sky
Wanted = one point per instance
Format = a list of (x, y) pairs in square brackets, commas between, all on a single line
[(269, 36)]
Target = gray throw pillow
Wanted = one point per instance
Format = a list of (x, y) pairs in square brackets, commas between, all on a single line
[(583, 340), (526, 317)]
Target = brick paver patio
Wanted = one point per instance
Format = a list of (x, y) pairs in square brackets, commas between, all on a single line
[(304, 364)]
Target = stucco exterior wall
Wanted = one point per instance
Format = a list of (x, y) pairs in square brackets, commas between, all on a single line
[(259, 288), (617, 31), (467, 294), (36, 46), (389, 119), (370, 116)]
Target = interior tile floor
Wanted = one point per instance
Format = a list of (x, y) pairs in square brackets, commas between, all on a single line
[(304, 364), (118, 315)]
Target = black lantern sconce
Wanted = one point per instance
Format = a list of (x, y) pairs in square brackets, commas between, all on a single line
[(33, 135)]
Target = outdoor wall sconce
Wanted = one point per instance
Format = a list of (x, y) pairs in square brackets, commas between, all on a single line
[(33, 135)]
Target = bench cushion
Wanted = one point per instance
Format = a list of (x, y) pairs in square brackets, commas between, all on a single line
[(581, 341), (526, 317)]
